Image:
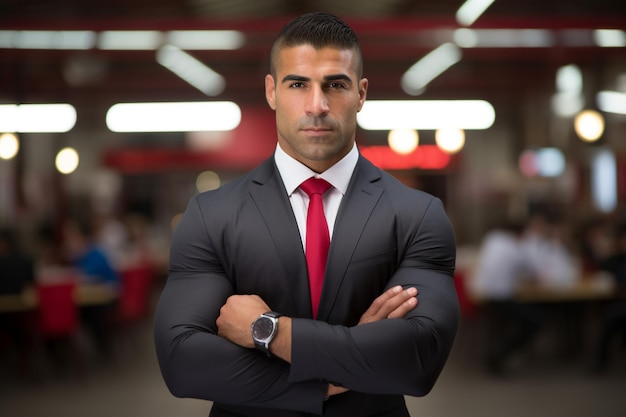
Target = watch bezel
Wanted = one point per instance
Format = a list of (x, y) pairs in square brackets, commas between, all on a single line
[(260, 342)]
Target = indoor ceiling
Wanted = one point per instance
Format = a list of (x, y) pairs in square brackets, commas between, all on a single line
[(394, 34)]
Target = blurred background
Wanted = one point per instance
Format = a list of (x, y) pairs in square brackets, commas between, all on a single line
[(507, 111)]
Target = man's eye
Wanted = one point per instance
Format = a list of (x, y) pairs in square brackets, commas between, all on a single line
[(336, 85), (296, 85)]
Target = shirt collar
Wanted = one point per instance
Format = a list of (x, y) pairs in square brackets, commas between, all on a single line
[(294, 172)]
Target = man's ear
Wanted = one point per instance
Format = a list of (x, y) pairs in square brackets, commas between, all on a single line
[(363, 83), (270, 91)]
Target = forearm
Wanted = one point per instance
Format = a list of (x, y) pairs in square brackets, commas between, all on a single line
[(197, 363), (281, 345), (396, 356)]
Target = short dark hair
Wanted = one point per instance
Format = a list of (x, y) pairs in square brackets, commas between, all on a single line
[(319, 30)]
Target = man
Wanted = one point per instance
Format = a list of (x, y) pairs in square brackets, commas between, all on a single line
[(238, 252)]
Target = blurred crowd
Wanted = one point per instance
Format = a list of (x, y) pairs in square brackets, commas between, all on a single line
[(575, 266), (119, 257)]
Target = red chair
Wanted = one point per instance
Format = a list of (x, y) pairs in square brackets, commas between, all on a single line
[(58, 320), (466, 304), (134, 301), (58, 312)]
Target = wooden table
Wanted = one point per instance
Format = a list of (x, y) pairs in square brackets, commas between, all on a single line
[(85, 295), (596, 288)]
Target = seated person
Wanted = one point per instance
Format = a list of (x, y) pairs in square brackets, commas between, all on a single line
[(16, 267)]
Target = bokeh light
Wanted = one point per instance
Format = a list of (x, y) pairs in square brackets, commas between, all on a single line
[(9, 146)]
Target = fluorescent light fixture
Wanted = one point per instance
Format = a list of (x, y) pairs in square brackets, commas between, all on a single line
[(610, 102), (47, 39), (604, 180), (130, 40), (609, 38), (426, 114), (504, 38), (37, 118), (430, 67), (191, 70), (471, 10), (173, 117), (206, 39)]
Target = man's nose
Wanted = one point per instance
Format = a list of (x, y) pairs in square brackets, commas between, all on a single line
[(317, 102)]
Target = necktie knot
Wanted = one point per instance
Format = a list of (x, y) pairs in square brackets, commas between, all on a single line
[(315, 186)]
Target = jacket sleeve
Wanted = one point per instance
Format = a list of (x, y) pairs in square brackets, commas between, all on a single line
[(195, 362), (394, 356)]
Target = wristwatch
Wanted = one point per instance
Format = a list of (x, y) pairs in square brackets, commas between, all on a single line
[(264, 329)]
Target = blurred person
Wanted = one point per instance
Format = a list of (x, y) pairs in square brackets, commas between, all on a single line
[(503, 264), (545, 245), (16, 266), (237, 322), (111, 236), (596, 244), (86, 255), (91, 261), (16, 274), (613, 322)]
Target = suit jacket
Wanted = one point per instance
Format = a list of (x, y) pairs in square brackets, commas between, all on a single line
[(243, 239)]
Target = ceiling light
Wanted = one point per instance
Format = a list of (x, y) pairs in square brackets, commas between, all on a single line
[(37, 118), (67, 160), (206, 39), (130, 40), (604, 180), (173, 117), (544, 162), (403, 141), (612, 101), (191, 70), (569, 99), (589, 125), (609, 38), (430, 67), (471, 10), (9, 146), (450, 140), (47, 39), (503, 38), (426, 114)]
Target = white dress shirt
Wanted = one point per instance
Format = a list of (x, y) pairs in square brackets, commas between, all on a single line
[(294, 173)]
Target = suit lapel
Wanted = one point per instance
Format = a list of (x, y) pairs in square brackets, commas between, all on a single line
[(356, 207), (268, 192)]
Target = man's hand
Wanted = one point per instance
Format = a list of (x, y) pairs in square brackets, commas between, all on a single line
[(237, 315), (393, 303)]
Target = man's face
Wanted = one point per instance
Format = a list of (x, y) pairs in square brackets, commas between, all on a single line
[(316, 95)]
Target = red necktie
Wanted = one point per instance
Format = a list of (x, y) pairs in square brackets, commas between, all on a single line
[(317, 237)]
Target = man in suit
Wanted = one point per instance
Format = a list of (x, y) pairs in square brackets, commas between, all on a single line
[(238, 265)]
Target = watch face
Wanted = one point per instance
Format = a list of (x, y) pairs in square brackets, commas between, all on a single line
[(262, 328)]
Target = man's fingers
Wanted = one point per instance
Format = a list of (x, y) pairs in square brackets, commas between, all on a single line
[(394, 302), (404, 308)]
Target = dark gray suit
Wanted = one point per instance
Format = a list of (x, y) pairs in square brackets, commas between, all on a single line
[(243, 239)]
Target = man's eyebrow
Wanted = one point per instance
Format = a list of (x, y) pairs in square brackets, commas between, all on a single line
[(337, 77), (332, 77), (292, 77)]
